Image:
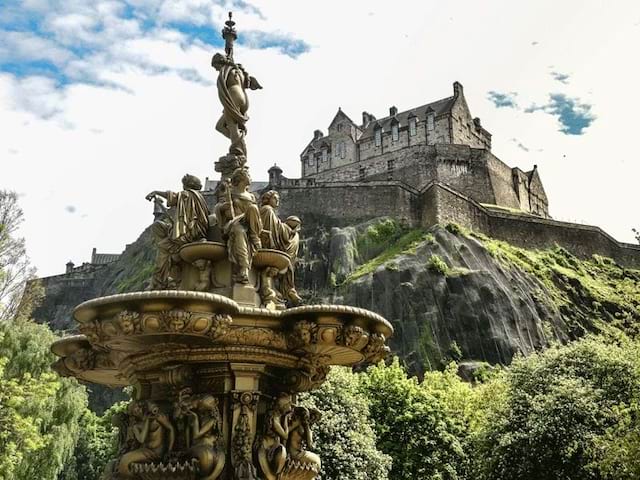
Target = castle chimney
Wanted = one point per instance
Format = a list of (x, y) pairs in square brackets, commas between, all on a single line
[(94, 254), (393, 111), (477, 122), (317, 134), (70, 266), (366, 118), (457, 89)]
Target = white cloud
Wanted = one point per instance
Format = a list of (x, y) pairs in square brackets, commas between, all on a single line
[(39, 95), (24, 46)]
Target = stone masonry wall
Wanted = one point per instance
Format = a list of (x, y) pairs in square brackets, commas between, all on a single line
[(345, 203), (526, 231), (348, 203)]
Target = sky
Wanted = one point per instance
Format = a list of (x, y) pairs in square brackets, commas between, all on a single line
[(102, 102)]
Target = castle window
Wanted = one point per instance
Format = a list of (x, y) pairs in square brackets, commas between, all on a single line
[(413, 126), (430, 122), (390, 168), (343, 150), (362, 173), (395, 132), (324, 154), (339, 127), (378, 135), (311, 161)]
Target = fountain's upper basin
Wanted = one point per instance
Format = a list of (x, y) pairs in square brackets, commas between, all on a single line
[(169, 327)]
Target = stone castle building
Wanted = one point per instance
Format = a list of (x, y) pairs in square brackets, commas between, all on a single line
[(440, 141), (428, 165)]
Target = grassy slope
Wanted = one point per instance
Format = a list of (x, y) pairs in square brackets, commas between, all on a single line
[(587, 292)]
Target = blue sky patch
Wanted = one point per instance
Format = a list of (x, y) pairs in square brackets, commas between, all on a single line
[(503, 100), (574, 117)]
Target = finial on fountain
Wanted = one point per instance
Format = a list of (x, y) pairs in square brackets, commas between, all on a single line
[(229, 35)]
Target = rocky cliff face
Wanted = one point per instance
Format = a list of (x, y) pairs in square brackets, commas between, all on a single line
[(450, 294)]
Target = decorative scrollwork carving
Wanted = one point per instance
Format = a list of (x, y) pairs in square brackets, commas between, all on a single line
[(241, 451)]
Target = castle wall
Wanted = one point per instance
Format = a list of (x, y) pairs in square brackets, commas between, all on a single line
[(538, 202), (347, 203), (527, 231), (465, 170), (368, 149), (441, 133), (501, 176)]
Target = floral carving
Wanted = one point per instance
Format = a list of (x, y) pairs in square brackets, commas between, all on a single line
[(241, 453), (220, 325)]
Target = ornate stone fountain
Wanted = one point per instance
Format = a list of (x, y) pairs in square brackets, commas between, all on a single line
[(220, 345)]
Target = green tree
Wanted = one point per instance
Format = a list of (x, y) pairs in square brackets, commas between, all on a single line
[(15, 268), (96, 446), (344, 436), (39, 412), (555, 409), (422, 426)]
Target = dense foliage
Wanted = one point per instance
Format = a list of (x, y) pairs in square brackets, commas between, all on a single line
[(345, 437), (39, 412)]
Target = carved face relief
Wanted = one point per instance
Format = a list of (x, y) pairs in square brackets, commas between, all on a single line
[(303, 333), (352, 335), (176, 320), (81, 360), (127, 321)]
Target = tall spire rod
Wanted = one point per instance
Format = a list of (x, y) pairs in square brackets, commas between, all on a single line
[(230, 35)]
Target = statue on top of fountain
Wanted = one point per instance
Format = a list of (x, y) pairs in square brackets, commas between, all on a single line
[(233, 81)]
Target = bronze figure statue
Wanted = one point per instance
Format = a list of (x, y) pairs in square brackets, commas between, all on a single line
[(153, 433), (272, 453), (233, 80), (282, 236), (204, 432), (241, 224), (189, 223), (305, 463)]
